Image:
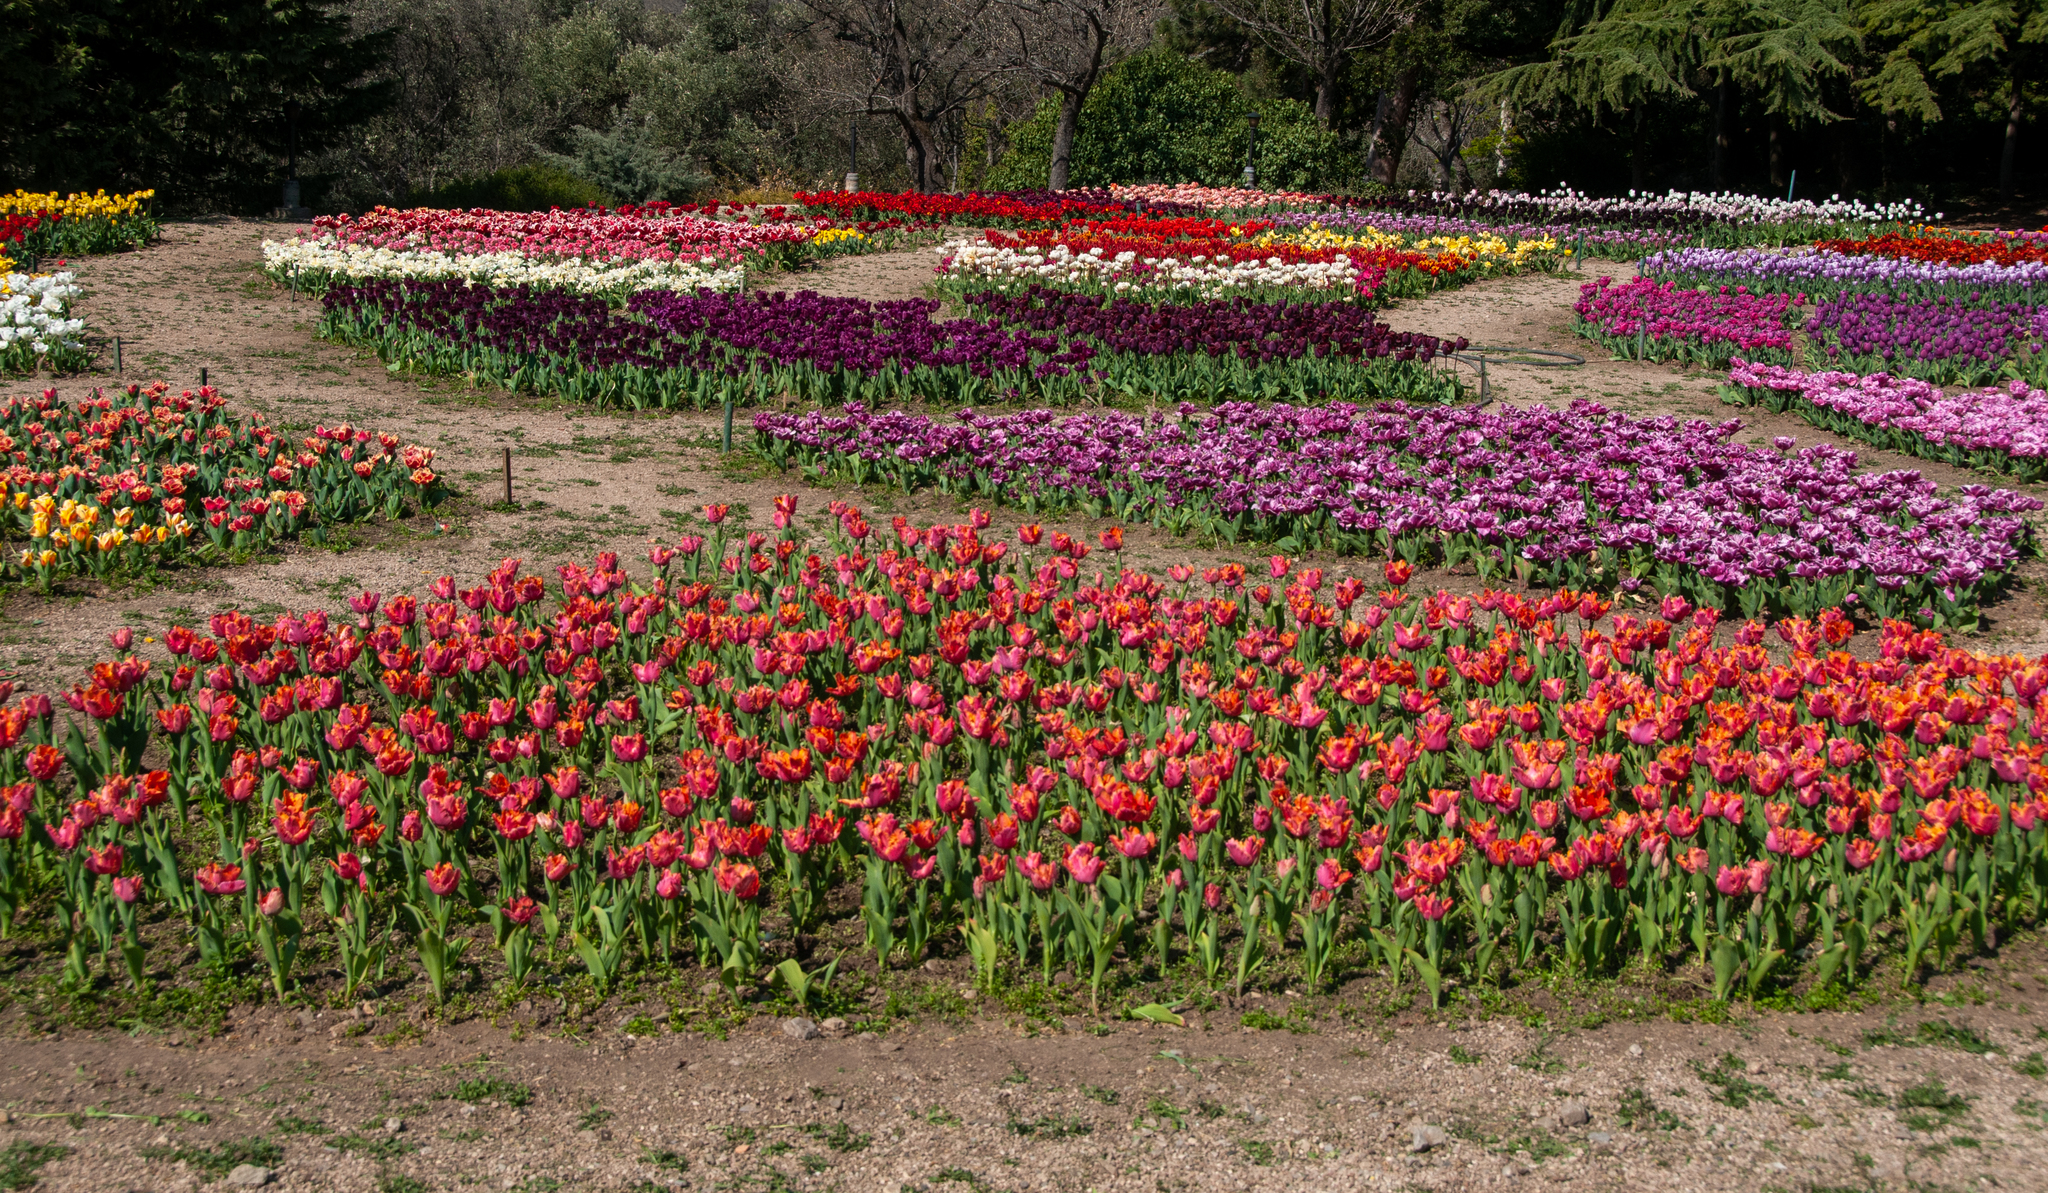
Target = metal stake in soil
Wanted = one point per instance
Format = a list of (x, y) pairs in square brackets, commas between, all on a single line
[(727, 439), (117, 356), (508, 476)]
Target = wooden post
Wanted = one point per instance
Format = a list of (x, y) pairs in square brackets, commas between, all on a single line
[(728, 424), (508, 476), (202, 376), (117, 356)]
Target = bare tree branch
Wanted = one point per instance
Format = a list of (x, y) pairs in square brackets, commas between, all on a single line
[(1065, 46), (1320, 35)]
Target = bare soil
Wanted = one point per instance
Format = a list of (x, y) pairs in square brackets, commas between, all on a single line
[(937, 1089)]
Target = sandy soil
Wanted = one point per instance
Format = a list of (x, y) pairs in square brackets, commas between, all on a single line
[(988, 1100), (978, 1096)]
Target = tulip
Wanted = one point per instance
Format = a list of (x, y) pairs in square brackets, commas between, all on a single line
[(1082, 863)]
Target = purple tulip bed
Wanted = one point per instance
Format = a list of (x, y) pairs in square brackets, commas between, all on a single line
[(1646, 319), (667, 349), (1583, 497), (1945, 340), (2002, 428), (1821, 275)]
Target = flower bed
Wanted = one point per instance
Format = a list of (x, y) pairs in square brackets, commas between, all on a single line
[(76, 225), (705, 350), (1717, 219), (1566, 497), (1220, 198), (2002, 428), (1170, 259), (1827, 275), (1275, 782), (318, 264), (1644, 319), (1234, 348), (1018, 207), (1947, 248), (104, 485), (1553, 239), (37, 330), (582, 235), (1937, 339)]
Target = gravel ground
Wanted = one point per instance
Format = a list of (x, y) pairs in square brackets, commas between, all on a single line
[(991, 1101)]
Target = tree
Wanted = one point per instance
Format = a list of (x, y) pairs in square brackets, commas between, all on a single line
[(1160, 117), (926, 61), (1065, 45), (1641, 50), (1320, 35), (2000, 42), (200, 99)]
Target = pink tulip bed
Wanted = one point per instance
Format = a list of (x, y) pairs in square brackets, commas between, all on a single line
[(1645, 319)]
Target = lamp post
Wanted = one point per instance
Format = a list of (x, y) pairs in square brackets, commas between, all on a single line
[(852, 156), (1251, 149)]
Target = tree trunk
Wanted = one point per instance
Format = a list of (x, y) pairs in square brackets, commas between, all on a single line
[(1718, 178), (2014, 109), (1063, 140), (917, 152), (1326, 91), (1638, 160), (1778, 178), (1394, 129), (1372, 138)]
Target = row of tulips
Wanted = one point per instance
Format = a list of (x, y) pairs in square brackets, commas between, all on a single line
[(1964, 340), (1011, 209), (1220, 198), (1572, 497), (316, 264), (1150, 258), (1707, 219), (111, 483), (703, 350), (37, 329), (2000, 429), (1947, 248), (1645, 319), (1823, 275), (1223, 776), (1234, 348), (76, 225), (593, 235), (1551, 239)]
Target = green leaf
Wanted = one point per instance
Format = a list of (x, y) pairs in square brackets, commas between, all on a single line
[(1157, 1013)]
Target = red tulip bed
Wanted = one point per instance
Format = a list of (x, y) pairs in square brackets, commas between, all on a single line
[(912, 735)]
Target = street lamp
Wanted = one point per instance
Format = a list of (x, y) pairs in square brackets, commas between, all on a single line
[(1251, 149)]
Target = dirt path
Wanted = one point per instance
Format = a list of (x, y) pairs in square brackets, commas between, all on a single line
[(987, 1100), (1029, 1092)]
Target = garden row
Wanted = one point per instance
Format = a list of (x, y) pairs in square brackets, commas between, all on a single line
[(1220, 780), (1890, 318), (110, 486), (37, 330), (1582, 497), (703, 350)]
